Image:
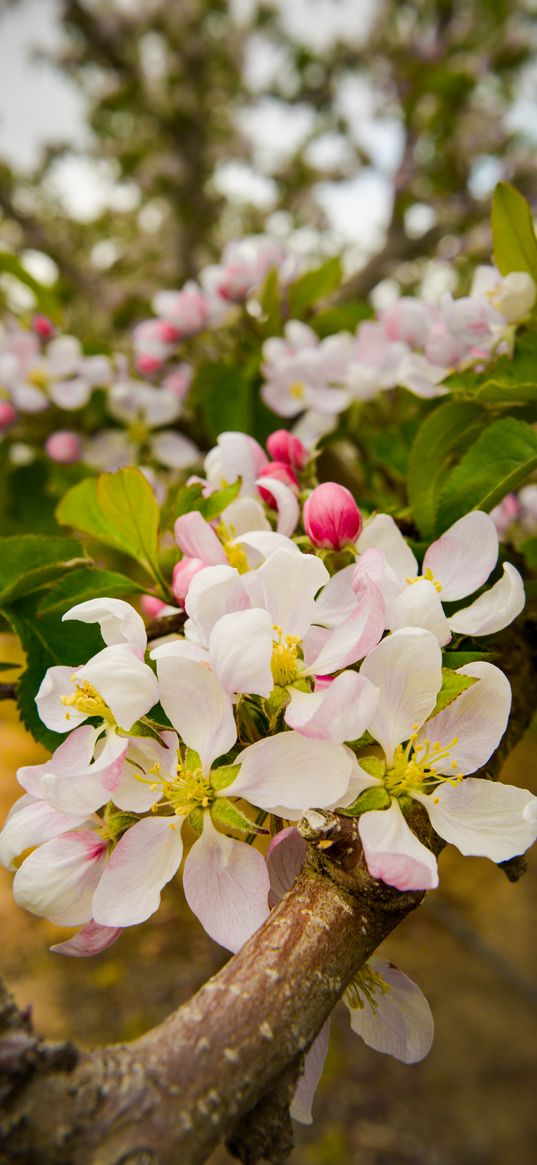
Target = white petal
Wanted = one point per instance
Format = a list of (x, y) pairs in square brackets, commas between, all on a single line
[(260, 544), (72, 755), (126, 683), (484, 818), (393, 853), (226, 885), (88, 789), (58, 880), (174, 450), (476, 721), (31, 822), (290, 583), (356, 636), (240, 651), (419, 605), (382, 533), (119, 622), (292, 771), (337, 599), (300, 1108), (216, 591), (197, 706), (401, 1024), (495, 609), (143, 862), (244, 515), (286, 501), (90, 940), (285, 858), (135, 791), (57, 682), (462, 559), (339, 712), (406, 667)]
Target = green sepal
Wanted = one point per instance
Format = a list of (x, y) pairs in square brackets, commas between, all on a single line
[(118, 821), (192, 760), (377, 798), (142, 727), (252, 722), (374, 765), (224, 775), (362, 742), (452, 685), (225, 813), (195, 819)]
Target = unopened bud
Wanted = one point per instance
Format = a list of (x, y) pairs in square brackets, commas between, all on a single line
[(183, 573), (42, 327), (151, 606), (283, 446), (7, 415), (64, 447), (280, 472), (332, 519)]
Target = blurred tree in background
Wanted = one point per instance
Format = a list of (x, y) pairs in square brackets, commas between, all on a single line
[(181, 99)]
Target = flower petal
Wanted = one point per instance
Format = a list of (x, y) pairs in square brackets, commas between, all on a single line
[(406, 667), (72, 755), (286, 502), (290, 583), (359, 633), (495, 609), (240, 651), (58, 880), (285, 858), (339, 712), (393, 853), (216, 591), (144, 860), (475, 721), (401, 1024), (55, 684), (90, 940), (125, 682), (419, 606), (119, 622), (197, 539), (197, 706), (382, 533), (462, 559), (483, 818), (89, 788), (226, 885), (300, 1108), (292, 771), (31, 822)]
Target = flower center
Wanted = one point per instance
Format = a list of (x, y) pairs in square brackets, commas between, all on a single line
[(138, 431), (413, 767), (235, 555), (284, 662), (427, 574), (38, 377), (297, 390), (88, 700), (189, 789), (366, 984)]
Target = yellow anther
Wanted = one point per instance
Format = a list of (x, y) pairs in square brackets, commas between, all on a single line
[(297, 390), (88, 700), (284, 662), (38, 377)]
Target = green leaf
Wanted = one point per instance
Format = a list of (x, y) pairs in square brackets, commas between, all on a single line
[(377, 798), (87, 583), (438, 440), (128, 503), (212, 506), (498, 462), (314, 285), (343, 318), (225, 813), (452, 686), (29, 562), (511, 380), (270, 303), (455, 659), (515, 245), (188, 498), (222, 776), (80, 509), (46, 641), (529, 550), (225, 398)]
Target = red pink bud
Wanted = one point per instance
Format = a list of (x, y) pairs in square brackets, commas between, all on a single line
[(183, 573), (282, 446), (7, 415), (42, 327), (280, 472), (64, 447), (151, 606), (332, 519)]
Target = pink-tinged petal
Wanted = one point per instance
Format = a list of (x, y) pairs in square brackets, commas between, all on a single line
[(292, 771), (90, 940), (483, 818), (31, 822), (285, 858), (401, 1024), (495, 609), (226, 885), (339, 712), (136, 791), (300, 1108), (419, 605), (72, 755), (197, 539), (373, 565), (119, 622), (126, 683), (393, 853), (86, 788), (216, 591), (286, 502), (462, 559), (472, 726), (58, 880), (381, 533), (55, 684), (356, 636), (407, 669), (143, 862), (240, 651), (198, 707), (337, 599), (290, 583)]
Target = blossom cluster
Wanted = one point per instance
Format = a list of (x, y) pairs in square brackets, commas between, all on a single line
[(308, 675)]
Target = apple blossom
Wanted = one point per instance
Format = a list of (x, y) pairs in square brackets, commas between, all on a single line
[(283, 446), (331, 517)]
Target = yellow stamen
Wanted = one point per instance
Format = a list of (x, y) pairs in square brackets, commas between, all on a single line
[(88, 700), (284, 662), (297, 390), (38, 377), (364, 988)]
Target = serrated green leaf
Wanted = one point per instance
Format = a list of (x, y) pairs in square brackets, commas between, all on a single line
[(515, 245), (498, 462), (187, 499), (377, 798), (511, 380), (314, 285), (452, 686), (443, 434), (87, 583), (31, 561), (225, 813), (127, 502), (80, 509), (142, 727)]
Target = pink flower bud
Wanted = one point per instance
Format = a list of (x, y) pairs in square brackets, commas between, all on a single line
[(151, 606), (148, 364), (183, 573), (179, 380), (7, 415), (282, 446), (281, 472), (64, 447), (42, 327), (331, 517), (170, 334)]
